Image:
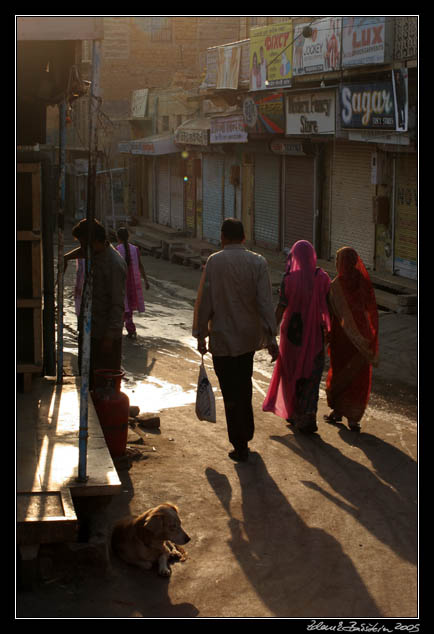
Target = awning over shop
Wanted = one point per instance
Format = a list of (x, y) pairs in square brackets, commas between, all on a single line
[(193, 132), (155, 145)]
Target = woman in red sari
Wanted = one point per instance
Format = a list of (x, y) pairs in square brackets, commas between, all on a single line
[(353, 340)]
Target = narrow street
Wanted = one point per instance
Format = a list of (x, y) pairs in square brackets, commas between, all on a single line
[(323, 526)]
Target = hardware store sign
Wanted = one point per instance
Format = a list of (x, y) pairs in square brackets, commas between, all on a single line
[(367, 106), (310, 113)]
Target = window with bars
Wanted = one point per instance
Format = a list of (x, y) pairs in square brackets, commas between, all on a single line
[(86, 51), (161, 29)]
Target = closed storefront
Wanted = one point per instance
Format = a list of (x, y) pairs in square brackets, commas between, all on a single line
[(176, 193), (163, 191), (213, 187), (161, 177), (170, 192), (230, 188), (267, 200), (299, 209), (192, 180), (405, 229), (351, 194)]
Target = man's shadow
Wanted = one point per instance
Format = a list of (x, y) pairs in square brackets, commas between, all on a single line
[(384, 503), (297, 571)]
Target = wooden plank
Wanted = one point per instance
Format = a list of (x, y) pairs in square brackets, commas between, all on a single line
[(28, 236), (26, 368), (45, 517), (48, 425)]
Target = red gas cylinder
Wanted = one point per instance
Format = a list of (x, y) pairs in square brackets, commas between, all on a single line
[(112, 407)]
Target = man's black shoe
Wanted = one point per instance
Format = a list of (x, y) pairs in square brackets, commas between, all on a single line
[(239, 455)]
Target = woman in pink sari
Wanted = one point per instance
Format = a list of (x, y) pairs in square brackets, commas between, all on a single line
[(294, 388), (133, 292)]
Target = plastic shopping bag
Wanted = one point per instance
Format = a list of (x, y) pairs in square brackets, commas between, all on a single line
[(205, 400)]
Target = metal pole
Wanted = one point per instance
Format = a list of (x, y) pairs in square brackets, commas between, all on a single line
[(393, 212), (112, 199), (86, 307), (60, 238)]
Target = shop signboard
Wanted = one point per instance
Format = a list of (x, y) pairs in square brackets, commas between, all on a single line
[(366, 40), (264, 114), (228, 67), (376, 105), (288, 147), (139, 101), (310, 113), (193, 132), (230, 129), (321, 51), (154, 145), (271, 56)]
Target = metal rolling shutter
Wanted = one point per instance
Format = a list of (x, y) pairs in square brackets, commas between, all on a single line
[(267, 199), (163, 192), (299, 199), (229, 191), (176, 195), (212, 196), (351, 206), (405, 249)]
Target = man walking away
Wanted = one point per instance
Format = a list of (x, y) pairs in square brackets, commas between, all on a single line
[(234, 309)]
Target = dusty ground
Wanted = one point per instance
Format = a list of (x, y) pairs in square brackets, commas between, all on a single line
[(311, 527)]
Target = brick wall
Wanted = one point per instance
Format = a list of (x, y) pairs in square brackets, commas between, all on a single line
[(153, 52)]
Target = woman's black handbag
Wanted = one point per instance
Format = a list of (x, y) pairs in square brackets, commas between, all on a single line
[(295, 329)]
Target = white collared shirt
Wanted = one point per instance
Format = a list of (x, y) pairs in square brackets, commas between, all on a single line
[(234, 306)]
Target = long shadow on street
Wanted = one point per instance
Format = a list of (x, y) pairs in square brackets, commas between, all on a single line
[(297, 571), (387, 512)]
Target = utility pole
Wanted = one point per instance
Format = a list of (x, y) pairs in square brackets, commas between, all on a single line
[(60, 237), (86, 306)]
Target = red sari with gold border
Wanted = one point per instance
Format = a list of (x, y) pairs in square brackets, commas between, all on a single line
[(353, 340)]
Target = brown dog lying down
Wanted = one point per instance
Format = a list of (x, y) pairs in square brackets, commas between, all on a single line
[(156, 535)]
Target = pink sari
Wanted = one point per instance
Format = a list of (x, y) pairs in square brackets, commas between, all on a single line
[(133, 293), (306, 289)]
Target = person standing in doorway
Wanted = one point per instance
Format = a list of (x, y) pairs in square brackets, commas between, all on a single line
[(234, 310), (133, 294), (109, 272)]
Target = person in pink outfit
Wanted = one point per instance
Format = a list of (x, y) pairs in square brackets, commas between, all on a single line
[(294, 387), (133, 292)]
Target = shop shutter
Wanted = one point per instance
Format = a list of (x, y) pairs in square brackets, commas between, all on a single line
[(163, 193), (351, 206), (299, 199), (267, 200), (229, 191), (176, 195), (212, 196), (405, 251)]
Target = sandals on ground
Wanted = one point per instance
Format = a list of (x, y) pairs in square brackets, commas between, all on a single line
[(332, 418), (354, 426)]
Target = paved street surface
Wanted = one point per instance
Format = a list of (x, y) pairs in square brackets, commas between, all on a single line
[(313, 527)]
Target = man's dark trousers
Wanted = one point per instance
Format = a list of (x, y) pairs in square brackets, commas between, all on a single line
[(235, 378)]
